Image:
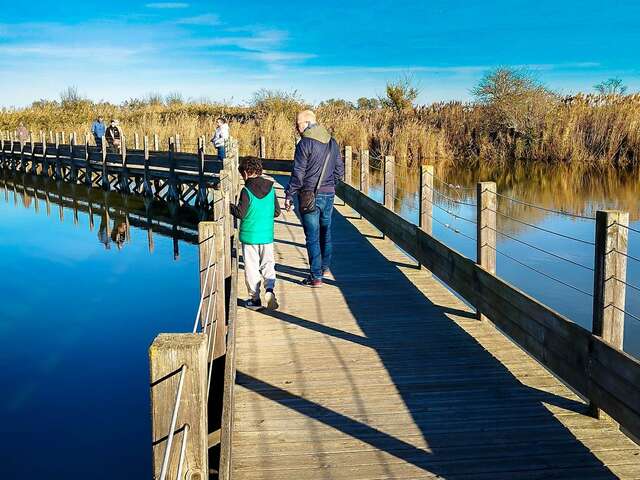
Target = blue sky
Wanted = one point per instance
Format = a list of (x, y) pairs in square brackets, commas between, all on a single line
[(227, 50)]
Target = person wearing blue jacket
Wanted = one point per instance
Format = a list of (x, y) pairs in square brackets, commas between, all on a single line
[(315, 146), (98, 129)]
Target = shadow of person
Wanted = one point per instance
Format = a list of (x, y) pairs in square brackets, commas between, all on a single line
[(475, 418)]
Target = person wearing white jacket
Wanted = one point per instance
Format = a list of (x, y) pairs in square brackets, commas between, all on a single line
[(221, 136)]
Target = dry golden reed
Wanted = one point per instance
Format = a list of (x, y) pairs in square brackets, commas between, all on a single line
[(589, 131)]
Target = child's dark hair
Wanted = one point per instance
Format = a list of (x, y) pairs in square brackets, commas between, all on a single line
[(251, 166)]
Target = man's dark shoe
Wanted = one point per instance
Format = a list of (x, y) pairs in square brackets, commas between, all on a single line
[(312, 282), (253, 304)]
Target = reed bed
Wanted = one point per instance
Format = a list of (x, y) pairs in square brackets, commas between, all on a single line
[(591, 132)]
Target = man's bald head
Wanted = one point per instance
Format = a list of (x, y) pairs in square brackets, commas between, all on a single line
[(307, 116), (304, 119)]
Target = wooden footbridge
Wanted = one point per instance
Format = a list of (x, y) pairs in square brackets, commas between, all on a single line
[(385, 372)]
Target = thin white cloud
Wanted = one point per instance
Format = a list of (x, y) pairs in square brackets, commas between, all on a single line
[(450, 70), (206, 19), (167, 5), (70, 52), (262, 40)]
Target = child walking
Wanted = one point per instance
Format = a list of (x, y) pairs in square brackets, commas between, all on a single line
[(256, 209)]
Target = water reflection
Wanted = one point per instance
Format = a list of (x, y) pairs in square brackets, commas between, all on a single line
[(77, 319), (118, 234), (547, 252), (116, 212)]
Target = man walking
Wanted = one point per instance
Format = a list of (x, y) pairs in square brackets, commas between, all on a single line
[(317, 167), (98, 129), (114, 136)]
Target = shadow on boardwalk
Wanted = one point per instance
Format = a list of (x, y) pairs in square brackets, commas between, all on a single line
[(476, 419)]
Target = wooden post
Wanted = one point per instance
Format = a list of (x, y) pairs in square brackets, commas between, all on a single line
[(72, 163), (32, 155), (2, 164), (146, 182), (156, 142), (227, 221), (610, 273), (389, 181), (88, 176), (106, 184), (236, 171), (178, 364), (210, 235), (12, 147), (486, 228), (426, 198), (201, 197), (172, 189), (178, 145), (136, 141), (263, 147), (45, 162), (348, 164), (124, 172), (364, 171), (58, 168)]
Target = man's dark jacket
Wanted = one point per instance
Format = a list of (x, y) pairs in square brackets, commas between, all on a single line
[(311, 152)]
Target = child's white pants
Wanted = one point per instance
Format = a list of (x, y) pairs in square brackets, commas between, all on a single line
[(259, 264)]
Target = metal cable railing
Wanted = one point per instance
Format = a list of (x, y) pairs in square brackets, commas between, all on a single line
[(549, 210), (172, 427), (457, 231), (631, 229), (629, 256), (522, 222), (206, 279), (540, 272), (453, 229), (455, 215), (626, 312), (542, 250)]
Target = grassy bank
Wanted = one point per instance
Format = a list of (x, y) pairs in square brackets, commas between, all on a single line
[(585, 131)]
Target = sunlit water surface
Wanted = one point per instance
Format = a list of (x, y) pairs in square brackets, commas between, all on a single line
[(569, 291), (76, 320)]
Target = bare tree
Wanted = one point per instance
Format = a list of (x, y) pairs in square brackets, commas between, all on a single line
[(613, 86), (516, 101), (70, 96)]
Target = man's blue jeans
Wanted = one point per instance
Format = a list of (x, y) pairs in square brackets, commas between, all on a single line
[(221, 152), (317, 230)]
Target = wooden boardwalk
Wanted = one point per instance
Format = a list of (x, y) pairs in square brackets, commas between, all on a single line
[(384, 373)]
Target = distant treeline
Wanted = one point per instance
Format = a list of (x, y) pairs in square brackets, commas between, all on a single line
[(514, 119)]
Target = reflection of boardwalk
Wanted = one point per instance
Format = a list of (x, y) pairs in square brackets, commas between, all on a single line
[(385, 374)]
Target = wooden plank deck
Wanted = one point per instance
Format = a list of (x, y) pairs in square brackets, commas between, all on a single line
[(383, 373)]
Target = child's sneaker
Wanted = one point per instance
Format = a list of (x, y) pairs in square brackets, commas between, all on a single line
[(253, 304), (272, 302)]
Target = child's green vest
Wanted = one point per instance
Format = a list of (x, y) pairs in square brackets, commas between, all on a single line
[(256, 228)]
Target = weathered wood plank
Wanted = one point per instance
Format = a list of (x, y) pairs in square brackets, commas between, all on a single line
[(383, 373), (172, 356)]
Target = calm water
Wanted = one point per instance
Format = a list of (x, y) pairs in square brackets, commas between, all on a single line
[(79, 307), (76, 319), (552, 188)]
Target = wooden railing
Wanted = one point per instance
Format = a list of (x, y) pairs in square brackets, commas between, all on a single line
[(592, 363), (192, 374), (169, 175)]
